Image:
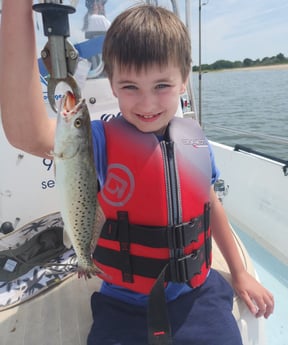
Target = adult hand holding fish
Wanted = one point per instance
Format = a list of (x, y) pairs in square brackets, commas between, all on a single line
[(76, 182)]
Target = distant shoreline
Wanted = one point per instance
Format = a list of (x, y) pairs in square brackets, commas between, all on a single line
[(278, 66), (252, 68)]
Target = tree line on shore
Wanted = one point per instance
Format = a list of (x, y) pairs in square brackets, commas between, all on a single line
[(224, 64)]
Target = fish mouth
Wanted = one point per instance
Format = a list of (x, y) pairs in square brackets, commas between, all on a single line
[(69, 101), (70, 107)]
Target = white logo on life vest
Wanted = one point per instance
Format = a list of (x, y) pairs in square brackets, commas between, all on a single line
[(119, 185), (202, 142)]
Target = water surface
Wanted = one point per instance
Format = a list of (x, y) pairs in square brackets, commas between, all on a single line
[(247, 101)]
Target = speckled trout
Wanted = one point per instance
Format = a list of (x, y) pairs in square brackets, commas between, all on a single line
[(76, 182)]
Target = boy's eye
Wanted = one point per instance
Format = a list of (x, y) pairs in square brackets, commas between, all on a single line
[(130, 87), (162, 86)]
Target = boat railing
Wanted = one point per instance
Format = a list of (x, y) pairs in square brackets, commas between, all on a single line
[(266, 145), (273, 138), (246, 149)]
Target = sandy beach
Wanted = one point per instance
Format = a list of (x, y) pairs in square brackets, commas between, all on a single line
[(253, 68), (281, 66)]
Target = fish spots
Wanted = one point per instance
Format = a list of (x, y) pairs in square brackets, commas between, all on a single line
[(78, 184)]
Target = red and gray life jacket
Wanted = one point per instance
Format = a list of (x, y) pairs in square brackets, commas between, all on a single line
[(156, 202)]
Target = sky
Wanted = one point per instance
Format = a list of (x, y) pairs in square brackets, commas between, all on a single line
[(231, 29), (238, 29)]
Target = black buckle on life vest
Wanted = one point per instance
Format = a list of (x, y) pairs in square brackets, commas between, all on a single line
[(184, 268), (124, 240), (181, 235)]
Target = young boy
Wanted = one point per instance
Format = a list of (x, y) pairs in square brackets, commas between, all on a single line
[(147, 59)]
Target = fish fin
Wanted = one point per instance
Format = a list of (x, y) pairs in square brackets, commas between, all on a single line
[(66, 239), (99, 222)]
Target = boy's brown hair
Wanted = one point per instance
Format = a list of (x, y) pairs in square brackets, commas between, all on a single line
[(145, 35)]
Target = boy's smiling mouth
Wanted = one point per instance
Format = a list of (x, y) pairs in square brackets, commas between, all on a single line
[(148, 117)]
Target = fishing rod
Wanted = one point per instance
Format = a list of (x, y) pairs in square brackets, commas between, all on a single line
[(200, 60), (190, 88)]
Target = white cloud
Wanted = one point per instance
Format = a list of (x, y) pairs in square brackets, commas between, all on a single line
[(231, 29), (236, 29)]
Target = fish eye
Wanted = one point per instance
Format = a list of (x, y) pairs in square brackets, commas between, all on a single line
[(77, 123)]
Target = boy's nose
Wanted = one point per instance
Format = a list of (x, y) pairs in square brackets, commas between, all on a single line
[(147, 102)]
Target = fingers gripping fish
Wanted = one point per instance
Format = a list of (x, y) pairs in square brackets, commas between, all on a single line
[(76, 182)]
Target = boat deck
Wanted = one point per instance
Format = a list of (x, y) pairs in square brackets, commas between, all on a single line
[(62, 315), (274, 276)]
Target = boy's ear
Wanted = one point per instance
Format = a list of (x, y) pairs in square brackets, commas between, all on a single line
[(184, 85), (183, 88), (113, 91)]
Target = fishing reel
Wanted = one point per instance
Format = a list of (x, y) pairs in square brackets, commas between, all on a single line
[(220, 189)]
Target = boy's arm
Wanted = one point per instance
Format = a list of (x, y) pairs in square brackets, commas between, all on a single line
[(258, 299), (24, 117)]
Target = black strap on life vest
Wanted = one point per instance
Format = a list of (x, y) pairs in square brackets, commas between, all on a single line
[(178, 236), (179, 268), (159, 330), (124, 240)]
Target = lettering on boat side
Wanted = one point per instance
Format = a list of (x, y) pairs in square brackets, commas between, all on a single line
[(43, 80), (57, 97), (201, 142), (49, 183)]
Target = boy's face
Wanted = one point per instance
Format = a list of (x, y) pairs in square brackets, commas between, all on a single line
[(148, 99)]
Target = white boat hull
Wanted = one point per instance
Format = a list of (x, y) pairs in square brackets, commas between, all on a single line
[(257, 198)]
